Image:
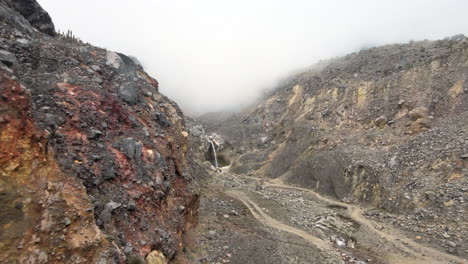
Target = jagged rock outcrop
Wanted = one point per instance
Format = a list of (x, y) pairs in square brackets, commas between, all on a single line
[(384, 126), (33, 13), (93, 159)]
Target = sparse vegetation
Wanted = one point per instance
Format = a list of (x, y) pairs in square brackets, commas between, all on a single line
[(69, 36)]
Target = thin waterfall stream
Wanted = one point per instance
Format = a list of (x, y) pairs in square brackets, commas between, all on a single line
[(214, 154)]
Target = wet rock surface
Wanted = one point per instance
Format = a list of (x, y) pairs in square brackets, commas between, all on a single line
[(87, 173)]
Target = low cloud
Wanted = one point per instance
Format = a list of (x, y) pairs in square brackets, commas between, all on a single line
[(212, 55)]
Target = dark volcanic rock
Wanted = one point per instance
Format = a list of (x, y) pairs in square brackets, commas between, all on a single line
[(83, 156), (129, 93), (8, 58), (131, 148), (34, 13)]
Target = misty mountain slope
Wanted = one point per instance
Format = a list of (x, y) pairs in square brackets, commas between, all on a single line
[(93, 159), (386, 127)]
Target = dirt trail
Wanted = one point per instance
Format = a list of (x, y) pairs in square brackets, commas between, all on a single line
[(258, 213), (420, 254), (241, 214)]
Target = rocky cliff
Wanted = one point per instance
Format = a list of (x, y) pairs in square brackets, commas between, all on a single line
[(385, 127), (93, 159)]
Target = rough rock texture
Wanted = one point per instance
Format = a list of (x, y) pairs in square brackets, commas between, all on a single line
[(385, 126), (93, 164), (198, 147), (33, 12)]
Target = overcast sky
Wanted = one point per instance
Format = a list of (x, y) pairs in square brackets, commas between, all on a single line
[(211, 55)]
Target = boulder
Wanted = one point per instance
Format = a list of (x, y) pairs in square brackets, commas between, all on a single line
[(122, 64), (131, 148), (156, 257), (8, 58), (381, 121), (129, 93), (417, 113), (113, 59)]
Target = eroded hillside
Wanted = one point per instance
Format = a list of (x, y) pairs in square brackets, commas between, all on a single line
[(385, 128)]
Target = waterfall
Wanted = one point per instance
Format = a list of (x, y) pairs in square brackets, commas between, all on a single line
[(214, 154)]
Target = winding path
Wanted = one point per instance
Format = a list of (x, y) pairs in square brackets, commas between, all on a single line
[(258, 213), (415, 253)]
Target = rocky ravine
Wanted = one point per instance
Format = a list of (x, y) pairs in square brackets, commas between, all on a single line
[(383, 128), (93, 159), (360, 159), (246, 219)]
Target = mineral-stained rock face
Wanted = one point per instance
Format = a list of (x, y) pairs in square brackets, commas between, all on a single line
[(93, 158), (42, 206)]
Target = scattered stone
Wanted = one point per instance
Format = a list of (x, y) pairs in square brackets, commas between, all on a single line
[(8, 58), (95, 68), (131, 206), (113, 59), (129, 93), (418, 113), (147, 93), (94, 133), (234, 212), (145, 130), (23, 41), (211, 235), (96, 157), (132, 148), (128, 249), (381, 121), (340, 242), (111, 206), (325, 113), (156, 257), (449, 203), (451, 244)]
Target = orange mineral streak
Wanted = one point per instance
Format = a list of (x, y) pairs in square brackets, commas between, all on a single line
[(35, 195)]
